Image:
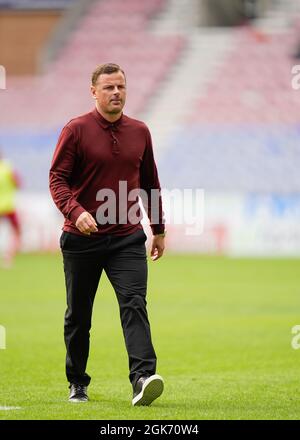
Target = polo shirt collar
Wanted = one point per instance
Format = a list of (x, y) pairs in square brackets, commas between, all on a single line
[(104, 122)]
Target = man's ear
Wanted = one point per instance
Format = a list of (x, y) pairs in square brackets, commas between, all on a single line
[(93, 91)]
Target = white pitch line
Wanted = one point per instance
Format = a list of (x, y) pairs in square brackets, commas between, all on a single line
[(9, 408)]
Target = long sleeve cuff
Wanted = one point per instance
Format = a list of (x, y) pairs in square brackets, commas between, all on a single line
[(75, 213), (158, 229)]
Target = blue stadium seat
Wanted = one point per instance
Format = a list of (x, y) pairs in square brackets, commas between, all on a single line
[(35, 4), (245, 158)]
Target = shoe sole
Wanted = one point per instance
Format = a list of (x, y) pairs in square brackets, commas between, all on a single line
[(78, 400), (152, 389)]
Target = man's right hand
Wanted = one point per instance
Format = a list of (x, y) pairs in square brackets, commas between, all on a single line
[(86, 223)]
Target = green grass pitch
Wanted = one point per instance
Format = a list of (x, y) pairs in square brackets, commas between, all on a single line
[(221, 329)]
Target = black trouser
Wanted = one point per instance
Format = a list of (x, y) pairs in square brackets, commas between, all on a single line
[(125, 263)]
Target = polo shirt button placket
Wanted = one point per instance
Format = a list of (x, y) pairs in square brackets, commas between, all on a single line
[(112, 130)]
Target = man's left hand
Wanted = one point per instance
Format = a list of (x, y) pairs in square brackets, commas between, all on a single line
[(158, 246)]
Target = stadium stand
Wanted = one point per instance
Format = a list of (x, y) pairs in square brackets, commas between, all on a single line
[(259, 73), (219, 102), (37, 107), (236, 159), (35, 4), (243, 131), (107, 33)]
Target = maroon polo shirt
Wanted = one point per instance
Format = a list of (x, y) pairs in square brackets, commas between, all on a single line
[(94, 154)]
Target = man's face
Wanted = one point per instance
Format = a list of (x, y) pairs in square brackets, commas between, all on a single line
[(110, 92)]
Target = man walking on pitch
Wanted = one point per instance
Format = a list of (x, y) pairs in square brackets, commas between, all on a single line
[(97, 155)]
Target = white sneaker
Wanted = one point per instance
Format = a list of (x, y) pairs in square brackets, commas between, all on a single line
[(147, 389)]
